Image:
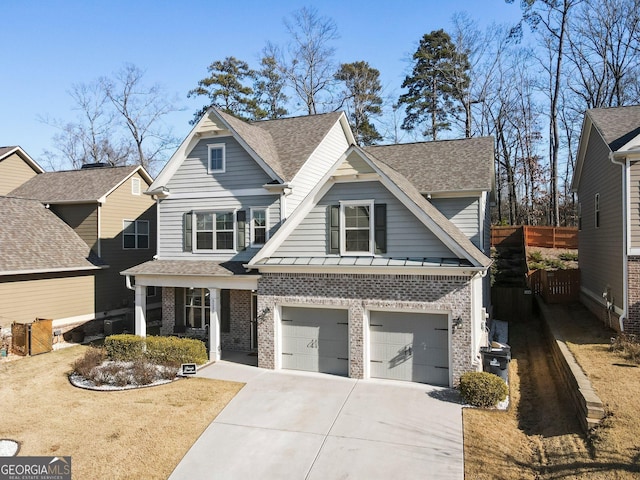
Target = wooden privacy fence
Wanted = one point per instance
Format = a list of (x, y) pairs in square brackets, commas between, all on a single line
[(32, 338), (557, 286), (531, 236)]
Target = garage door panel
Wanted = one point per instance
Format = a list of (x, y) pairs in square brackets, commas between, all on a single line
[(315, 340), (409, 346)]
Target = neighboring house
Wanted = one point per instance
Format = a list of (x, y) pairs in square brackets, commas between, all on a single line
[(283, 237), (607, 181), (107, 209), (46, 270), (16, 167)]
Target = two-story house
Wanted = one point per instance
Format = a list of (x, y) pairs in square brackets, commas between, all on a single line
[(284, 237), (107, 209), (607, 181)]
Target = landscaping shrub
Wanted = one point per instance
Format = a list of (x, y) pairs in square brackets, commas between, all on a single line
[(535, 256), (626, 345), (174, 351), (482, 389), (144, 372), (91, 359), (568, 256), (124, 347)]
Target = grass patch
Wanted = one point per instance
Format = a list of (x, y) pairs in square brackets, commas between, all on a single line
[(117, 435)]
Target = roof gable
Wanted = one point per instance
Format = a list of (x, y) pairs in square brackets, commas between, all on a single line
[(6, 151), (617, 125), (77, 186), (399, 186), (32, 237)]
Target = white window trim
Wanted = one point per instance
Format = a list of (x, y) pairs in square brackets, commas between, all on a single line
[(194, 232), (266, 225), (135, 186), (202, 308), (343, 235), (135, 222), (596, 211), (215, 146)]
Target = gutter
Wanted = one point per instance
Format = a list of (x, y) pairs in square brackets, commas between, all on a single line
[(621, 159)]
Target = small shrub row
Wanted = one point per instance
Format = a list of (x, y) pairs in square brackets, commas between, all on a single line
[(482, 389), (120, 374), (159, 350)]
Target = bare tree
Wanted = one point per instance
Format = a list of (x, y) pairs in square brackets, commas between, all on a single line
[(142, 110), (309, 66)]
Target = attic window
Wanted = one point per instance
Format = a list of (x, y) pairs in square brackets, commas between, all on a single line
[(135, 186), (216, 162)]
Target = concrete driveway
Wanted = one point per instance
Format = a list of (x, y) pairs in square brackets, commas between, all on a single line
[(298, 425)]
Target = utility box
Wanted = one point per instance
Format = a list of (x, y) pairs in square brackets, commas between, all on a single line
[(32, 338), (114, 326)]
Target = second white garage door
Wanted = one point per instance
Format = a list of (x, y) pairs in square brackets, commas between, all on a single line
[(409, 346), (315, 340)]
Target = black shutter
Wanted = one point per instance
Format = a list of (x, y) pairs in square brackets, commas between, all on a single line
[(380, 232), (241, 219), (225, 311), (334, 228), (186, 232)]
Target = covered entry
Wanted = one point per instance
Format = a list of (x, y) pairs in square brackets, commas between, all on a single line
[(409, 346), (315, 339)]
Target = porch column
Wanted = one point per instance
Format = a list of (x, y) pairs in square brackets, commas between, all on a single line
[(141, 311), (214, 324)]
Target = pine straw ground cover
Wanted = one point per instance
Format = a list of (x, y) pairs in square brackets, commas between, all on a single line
[(132, 434), (538, 437)]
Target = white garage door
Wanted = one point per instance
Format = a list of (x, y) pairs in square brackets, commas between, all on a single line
[(315, 340), (409, 346)]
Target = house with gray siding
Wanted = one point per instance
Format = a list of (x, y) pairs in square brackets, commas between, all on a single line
[(607, 181), (284, 238)]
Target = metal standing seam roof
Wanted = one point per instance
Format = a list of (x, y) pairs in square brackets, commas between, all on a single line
[(442, 166), (365, 261), (616, 125), (86, 185), (33, 238), (284, 144)]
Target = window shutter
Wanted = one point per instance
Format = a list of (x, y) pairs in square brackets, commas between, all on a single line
[(225, 311), (186, 232), (334, 228), (380, 232), (241, 219)]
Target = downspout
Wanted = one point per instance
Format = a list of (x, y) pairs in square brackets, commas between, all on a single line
[(127, 282), (622, 161)]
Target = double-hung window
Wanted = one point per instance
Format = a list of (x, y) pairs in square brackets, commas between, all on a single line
[(259, 226), (214, 231), (357, 232), (216, 163), (135, 234), (197, 307)]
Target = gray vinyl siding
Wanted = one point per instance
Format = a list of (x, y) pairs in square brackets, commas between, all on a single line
[(327, 153), (601, 249), (171, 226), (464, 213), (406, 235), (14, 171), (241, 171), (634, 202)]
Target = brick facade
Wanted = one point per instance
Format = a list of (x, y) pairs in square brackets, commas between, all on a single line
[(632, 322), (239, 335), (360, 293), (168, 310)]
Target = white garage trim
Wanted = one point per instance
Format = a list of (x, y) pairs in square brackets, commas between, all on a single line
[(368, 336)]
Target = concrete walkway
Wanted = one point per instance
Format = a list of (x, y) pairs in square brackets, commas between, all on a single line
[(298, 425)]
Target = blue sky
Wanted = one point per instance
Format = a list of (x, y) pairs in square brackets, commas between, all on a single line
[(46, 46)]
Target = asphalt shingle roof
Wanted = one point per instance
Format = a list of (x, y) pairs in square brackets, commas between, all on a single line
[(442, 166), (286, 143), (86, 185), (617, 125), (5, 150), (33, 238), (188, 267)]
